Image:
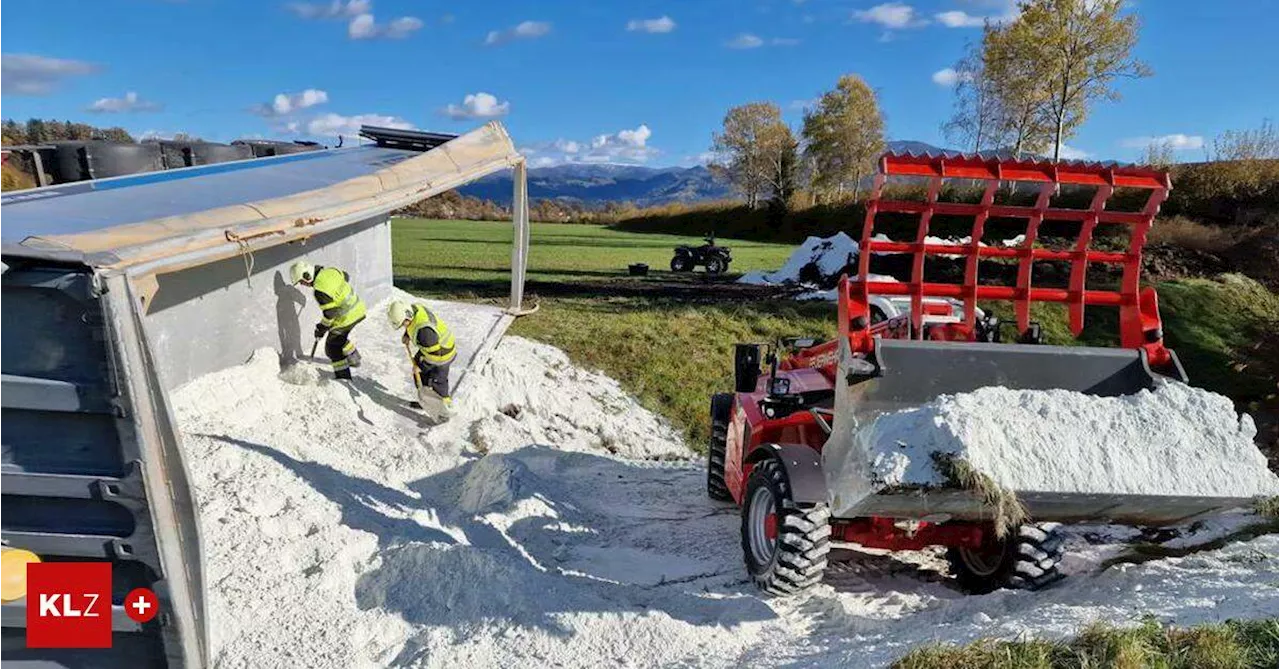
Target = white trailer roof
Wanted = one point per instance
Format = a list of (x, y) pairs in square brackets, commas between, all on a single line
[(177, 214)]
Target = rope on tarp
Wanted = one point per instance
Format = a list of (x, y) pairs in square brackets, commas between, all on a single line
[(246, 250)]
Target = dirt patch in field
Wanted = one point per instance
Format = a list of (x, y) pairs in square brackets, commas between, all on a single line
[(1163, 262), (693, 288), (1256, 256)]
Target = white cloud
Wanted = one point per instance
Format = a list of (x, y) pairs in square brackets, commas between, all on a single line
[(662, 24), (365, 26), (402, 26), (704, 158), (891, 15), (287, 103), (1002, 11), (948, 76), (958, 19), (625, 146), (362, 27), (635, 138), (334, 125), (1068, 153), (745, 41), (331, 10), (25, 74), (129, 103), (523, 30), (477, 105), (362, 24), (1176, 141), (749, 41)]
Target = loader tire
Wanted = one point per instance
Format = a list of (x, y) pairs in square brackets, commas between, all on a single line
[(795, 557), (721, 405), (1027, 560)]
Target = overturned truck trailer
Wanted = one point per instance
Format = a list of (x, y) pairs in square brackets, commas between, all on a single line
[(117, 291)]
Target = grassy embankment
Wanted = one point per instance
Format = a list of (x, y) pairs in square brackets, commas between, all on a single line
[(1231, 645)]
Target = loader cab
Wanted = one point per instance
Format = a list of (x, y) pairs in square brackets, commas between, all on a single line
[(783, 392)]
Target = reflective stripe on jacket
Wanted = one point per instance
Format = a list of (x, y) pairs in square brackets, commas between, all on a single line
[(339, 305), (442, 350)]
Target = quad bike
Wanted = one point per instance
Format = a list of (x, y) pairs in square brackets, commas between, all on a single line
[(778, 441), (715, 258)]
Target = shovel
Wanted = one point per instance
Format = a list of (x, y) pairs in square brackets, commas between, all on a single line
[(430, 403)]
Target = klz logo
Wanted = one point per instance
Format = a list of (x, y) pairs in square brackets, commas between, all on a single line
[(69, 605)]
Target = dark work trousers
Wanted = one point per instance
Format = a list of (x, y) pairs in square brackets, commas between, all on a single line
[(435, 377), (342, 351)]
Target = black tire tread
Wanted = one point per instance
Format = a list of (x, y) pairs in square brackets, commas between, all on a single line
[(721, 404), (804, 538), (1030, 561)]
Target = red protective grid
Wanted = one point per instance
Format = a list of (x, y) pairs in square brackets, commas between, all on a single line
[(1139, 318)]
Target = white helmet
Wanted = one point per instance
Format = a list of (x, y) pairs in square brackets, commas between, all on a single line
[(398, 312), (301, 270)]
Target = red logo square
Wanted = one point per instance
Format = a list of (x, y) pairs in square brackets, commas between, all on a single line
[(69, 605)]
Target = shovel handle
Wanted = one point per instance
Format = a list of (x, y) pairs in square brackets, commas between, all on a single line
[(417, 375), (314, 345)]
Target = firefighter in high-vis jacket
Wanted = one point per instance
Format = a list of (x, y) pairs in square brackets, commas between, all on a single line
[(428, 338), (340, 311)]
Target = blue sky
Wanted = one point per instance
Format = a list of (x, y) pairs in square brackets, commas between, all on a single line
[(585, 81)]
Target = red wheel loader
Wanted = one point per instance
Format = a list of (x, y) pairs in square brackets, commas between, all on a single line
[(776, 439)]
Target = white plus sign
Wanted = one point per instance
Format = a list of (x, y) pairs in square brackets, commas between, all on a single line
[(142, 605)]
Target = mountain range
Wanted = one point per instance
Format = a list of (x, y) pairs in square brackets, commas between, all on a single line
[(600, 183)]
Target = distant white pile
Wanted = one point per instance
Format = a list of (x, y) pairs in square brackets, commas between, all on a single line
[(830, 255), (1175, 440)]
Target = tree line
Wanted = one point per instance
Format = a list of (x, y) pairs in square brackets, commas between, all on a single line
[(835, 148), (40, 131), (1026, 88), (1030, 83)]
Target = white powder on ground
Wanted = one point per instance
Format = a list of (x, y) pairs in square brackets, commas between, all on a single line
[(339, 531), (1175, 440)]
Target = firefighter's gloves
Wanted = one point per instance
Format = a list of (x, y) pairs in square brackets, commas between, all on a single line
[(321, 330)]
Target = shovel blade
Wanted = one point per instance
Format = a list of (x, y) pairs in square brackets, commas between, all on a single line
[(432, 405)]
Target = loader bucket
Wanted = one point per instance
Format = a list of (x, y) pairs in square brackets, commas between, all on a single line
[(910, 372), (905, 374)]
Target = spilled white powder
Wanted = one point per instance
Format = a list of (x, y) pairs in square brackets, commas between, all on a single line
[(1174, 440)]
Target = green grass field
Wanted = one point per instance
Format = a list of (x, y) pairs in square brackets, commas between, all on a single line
[(475, 256)]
